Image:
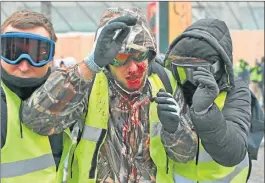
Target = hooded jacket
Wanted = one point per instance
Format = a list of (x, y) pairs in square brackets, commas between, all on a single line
[(223, 133)]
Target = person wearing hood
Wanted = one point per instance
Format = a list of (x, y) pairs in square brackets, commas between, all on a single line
[(27, 50), (131, 130), (220, 106)]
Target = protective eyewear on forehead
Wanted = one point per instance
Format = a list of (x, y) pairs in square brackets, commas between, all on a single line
[(183, 69), (18, 46), (138, 56)]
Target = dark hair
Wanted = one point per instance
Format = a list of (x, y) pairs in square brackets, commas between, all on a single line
[(26, 19)]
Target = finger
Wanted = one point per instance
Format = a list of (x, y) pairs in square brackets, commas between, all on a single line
[(128, 20), (206, 82), (197, 77), (205, 78), (165, 115), (122, 35), (164, 94), (210, 84), (111, 28), (203, 73), (167, 107), (199, 74), (165, 100), (203, 69)]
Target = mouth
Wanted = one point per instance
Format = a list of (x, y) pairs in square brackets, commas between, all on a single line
[(133, 78), (133, 81)]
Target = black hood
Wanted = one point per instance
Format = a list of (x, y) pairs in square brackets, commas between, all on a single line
[(214, 33)]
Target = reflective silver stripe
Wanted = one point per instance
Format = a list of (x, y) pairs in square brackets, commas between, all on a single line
[(226, 179), (156, 129), (181, 179), (232, 175), (22, 167), (205, 157), (91, 133)]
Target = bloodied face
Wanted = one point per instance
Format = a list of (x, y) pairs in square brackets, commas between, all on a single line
[(132, 75)]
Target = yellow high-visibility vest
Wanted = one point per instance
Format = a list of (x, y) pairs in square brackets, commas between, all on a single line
[(28, 158), (84, 158), (205, 170)]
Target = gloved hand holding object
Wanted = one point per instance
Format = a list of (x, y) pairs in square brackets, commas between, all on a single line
[(109, 42), (168, 111), (206, 91)]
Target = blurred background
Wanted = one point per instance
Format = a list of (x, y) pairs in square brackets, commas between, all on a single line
[(75, 24)]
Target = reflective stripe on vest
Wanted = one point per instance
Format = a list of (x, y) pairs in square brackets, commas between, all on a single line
[(91, 133), (207, 170), (26, 166), (243, 166), (94, 134)]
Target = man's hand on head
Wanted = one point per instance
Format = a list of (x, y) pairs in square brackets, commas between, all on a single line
[(105, 46)]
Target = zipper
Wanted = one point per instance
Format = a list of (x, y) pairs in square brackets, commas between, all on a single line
[(197, 154), (167, 165), (20, 119), (71, 164)]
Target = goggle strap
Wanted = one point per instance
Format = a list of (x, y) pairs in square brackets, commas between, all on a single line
[(216, 66)]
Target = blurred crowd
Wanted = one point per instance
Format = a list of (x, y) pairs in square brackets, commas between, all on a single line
[(254, 75)]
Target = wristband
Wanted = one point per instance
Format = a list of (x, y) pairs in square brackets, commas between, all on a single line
[(90, 63)]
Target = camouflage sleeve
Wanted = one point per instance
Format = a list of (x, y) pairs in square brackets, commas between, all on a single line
[(60, 102), (181, 146)]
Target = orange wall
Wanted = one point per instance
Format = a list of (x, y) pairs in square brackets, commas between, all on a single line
[(74, 45), (179, 18), (248, 45)]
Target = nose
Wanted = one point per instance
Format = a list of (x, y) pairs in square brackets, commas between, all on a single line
[(132, 66), (24, 66)]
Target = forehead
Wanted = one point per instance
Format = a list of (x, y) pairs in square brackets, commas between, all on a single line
[(36, 30)]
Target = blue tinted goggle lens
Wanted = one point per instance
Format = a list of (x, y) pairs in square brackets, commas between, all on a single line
[(17, 46)]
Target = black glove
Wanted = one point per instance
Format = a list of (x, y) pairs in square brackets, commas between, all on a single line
[(106, 47), (206, 92), (168, 111)]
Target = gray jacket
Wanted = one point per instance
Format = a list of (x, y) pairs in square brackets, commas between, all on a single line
[(223, 133)]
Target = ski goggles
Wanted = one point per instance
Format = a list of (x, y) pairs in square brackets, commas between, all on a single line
[(18, 46), (184, 68), (138, 56)]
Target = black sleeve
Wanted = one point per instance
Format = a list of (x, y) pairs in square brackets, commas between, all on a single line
[(3, 119), (224, 133)]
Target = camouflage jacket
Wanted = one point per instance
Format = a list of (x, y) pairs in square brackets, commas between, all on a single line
[(63, 101)]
